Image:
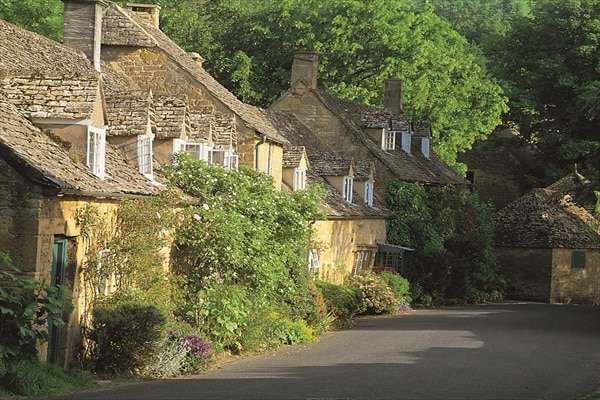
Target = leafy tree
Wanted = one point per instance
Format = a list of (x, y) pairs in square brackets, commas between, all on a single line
[(452, 233), (360, 45), (243, 233), (548, 63), (41, 16)]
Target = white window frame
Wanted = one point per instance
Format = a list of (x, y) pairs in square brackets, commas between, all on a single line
[(361, 261), (348, 188), (299, 181), (145, 155), (95, 157), (198, 150), (426, 147), (388, 140), (406, 141), (229, 160), (369, 187), (313, 262)]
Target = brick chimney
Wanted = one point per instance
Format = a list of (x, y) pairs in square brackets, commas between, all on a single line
[(393, 96), (82, 28), (148, 11), (304, 70)]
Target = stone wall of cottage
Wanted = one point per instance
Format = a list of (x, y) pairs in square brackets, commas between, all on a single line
[(497, 175), (575, 285), (311, 111), (527, 272), (30, 222), (20, 209), (338, 241)]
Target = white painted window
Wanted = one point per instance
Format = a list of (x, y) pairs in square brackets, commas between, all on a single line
[(362, 259), (224, 158), (201, 151), (388, 141), (96, 150), (369, 186), (299, 179), (145, 155), (406, 138), (425, 147), (313, 262), (347, 188)]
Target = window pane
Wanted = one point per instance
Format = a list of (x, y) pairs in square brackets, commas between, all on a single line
[(577, 259)]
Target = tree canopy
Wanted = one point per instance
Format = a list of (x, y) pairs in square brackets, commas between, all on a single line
[(249, 49), (549, 63)]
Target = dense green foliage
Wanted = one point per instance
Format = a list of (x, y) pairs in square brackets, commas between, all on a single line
[(360, 45), (124, 336), (342, 301), (32, 378), (452, 233), (41, 16), (27, 305), (376, 296), (549, 66)]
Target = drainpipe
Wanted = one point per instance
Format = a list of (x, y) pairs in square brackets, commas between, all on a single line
[(256, 146)]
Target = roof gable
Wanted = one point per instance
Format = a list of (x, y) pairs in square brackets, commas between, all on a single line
[(120, 25), (545, 218)]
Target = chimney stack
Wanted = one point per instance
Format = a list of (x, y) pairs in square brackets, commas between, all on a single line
[(304, 70), (148, 11), (393, 96), (82, 28)]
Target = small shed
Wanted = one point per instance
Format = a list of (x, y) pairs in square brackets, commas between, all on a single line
[(549, 248)]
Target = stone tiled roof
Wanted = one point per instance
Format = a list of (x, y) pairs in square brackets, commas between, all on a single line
[(413, 168), (171, 116), (324, 163), (43, 161), (546, 218), (292, 156), (120, 25), (42, 81), (129, 109)]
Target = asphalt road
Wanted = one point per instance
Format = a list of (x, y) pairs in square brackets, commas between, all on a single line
[(493, 351)]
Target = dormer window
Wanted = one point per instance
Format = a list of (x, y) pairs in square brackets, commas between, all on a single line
[(96, 150), (388, 141), (406, 139), (145, 155), (299, 179), (201, 151), (425, 146), (347, 188), (369, 186)]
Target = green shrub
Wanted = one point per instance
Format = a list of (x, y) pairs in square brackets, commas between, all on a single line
[(377, 297), (34, 378), (398, 284), (179, 353), (124, 336), (341, 301), (286, 331), (26, 305)]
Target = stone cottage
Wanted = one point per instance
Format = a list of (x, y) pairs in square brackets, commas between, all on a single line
[(355, 151), (206, 120), (548, 247), (55, 161), (502, 167)]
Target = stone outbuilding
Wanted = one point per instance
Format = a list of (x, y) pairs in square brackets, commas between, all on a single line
[(548, 247)]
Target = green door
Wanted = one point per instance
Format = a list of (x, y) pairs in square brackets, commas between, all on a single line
[(59, 264)]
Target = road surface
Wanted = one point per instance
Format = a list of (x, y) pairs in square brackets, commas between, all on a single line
[(491, 351)]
